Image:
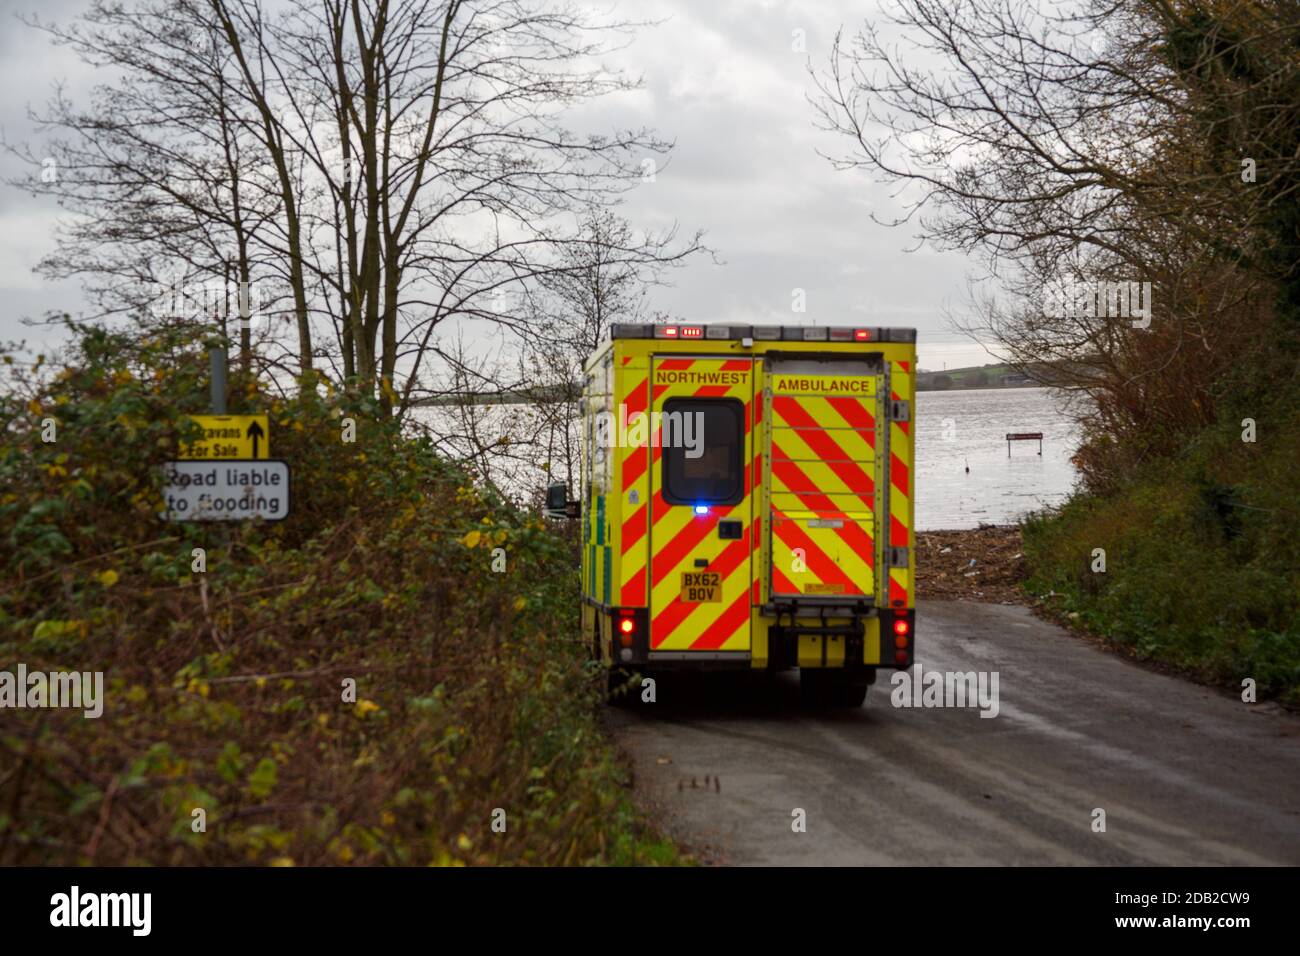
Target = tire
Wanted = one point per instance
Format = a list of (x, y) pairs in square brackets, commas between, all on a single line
[(850, 693), (825, 688)]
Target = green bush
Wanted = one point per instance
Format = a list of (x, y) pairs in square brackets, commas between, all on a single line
[(225, 689), (1202, 556)]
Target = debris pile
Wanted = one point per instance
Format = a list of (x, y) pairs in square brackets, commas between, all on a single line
[(979, 564)]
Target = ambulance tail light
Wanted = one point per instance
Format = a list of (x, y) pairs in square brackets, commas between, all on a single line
[(666, 332), (900, 627), (631, 634), (625, 626)]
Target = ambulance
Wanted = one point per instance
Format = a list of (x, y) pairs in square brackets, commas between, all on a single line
[(746, 501)]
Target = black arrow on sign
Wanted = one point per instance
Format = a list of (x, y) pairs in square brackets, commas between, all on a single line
[(255, 432)]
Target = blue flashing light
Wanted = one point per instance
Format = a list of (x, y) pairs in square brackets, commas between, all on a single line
[(701, 509)]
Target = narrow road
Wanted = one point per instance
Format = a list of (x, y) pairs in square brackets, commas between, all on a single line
[(1186, 775)]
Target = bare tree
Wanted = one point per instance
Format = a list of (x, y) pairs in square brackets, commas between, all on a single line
[(1085, 145), (391, 165), (516, 413), (159, 169)]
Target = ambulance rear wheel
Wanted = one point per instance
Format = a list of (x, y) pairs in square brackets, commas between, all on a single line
[(822, 688), (851, 692)]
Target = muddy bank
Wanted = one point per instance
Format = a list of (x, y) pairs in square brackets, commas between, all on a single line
[(980, 564)]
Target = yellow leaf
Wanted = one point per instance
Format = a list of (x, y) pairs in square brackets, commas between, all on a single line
[(471, 540), (283, 861), (520, 604), (108, 578), (365, 707)]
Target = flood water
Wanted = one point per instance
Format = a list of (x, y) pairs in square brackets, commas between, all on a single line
[(954, 428), (968, 427)]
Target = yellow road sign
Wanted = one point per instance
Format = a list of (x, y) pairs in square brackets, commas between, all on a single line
[(230, 436)]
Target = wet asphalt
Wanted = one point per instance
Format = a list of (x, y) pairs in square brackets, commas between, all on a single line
[(1186, 775)]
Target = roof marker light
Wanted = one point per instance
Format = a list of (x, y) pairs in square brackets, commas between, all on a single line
[(862, 335), (692, 332)]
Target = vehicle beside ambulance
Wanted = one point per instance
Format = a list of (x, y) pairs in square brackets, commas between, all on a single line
[(746, 502)]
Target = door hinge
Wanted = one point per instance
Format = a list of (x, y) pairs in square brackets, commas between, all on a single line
[(898, 557), (900, 410)]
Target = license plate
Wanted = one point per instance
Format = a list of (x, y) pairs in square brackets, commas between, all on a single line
[(820, 588), (701, 587)]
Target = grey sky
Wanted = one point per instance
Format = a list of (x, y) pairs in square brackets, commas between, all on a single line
[(721, 80)]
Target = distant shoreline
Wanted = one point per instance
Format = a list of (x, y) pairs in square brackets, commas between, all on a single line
[(993, 375), (974, 388)]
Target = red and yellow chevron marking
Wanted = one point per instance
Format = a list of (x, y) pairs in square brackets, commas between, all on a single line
[(822, 493), (679, 536), (635, 463), (635, 460), (900, 502), (758, 587)]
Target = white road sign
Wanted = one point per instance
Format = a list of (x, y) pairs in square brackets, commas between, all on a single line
[(230, 490)]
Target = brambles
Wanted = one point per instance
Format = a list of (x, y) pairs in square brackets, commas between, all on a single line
[(226, 736), (1202, 559)]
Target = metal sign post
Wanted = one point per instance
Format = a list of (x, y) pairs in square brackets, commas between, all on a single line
[(1024, 436), (217, 366)]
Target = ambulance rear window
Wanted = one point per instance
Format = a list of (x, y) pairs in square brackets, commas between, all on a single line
[(704, 444)]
